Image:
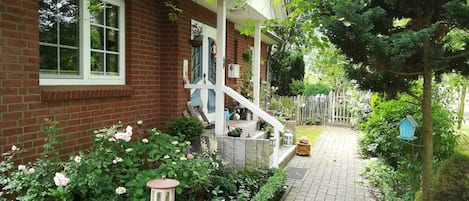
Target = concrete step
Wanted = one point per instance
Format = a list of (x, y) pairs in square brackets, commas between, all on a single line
[(286, 153)]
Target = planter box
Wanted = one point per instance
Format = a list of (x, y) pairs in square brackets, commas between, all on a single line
[(303, 149)]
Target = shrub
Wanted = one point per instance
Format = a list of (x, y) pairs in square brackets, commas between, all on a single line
[(297, 87), (273, 186), (452, 179), (379, 140), (243, 185), (385, 182), (117, 167), (188, 128), (318, 88), (381, 130)]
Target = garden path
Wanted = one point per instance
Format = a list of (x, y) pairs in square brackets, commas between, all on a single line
[(332, 172)]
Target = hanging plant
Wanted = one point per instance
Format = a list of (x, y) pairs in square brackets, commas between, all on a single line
[(196, 32)]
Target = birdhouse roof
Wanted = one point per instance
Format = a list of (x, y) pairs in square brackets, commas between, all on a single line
[(409, 119)]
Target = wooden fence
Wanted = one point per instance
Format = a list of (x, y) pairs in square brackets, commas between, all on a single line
[(334, 108)]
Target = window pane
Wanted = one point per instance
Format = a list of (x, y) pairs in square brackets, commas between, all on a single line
[(112, 38), (69, 61), (69, 34), (97, 37), (48, 34), (97, 18), (112, 16), (112, 64), (48, 59), (97, 63)]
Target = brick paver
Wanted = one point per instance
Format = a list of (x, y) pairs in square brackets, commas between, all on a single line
[(334, 170)]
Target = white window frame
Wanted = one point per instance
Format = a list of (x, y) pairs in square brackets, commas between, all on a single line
[(85, 77)]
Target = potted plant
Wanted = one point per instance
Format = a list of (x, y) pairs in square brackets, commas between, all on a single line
[(235, 132), (197, 37)]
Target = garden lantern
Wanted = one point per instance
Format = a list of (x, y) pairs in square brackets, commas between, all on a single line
[(272, 141), (407, 128), (162, 189), (288, 139)]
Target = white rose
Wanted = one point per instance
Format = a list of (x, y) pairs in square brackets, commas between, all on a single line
[(21, 167), (14, 148), (121, 190), (77, 159)]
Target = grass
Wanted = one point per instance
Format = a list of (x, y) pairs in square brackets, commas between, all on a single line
[(463, 144), (311, 132)]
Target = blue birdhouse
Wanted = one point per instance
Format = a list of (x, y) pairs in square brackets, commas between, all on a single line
[(407, 128)]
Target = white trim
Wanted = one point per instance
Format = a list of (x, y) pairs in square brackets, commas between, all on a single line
[(85, 77)]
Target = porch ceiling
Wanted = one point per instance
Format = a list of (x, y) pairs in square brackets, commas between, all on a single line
[(259, 10)]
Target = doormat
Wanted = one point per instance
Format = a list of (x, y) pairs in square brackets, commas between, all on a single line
[(296, 173)]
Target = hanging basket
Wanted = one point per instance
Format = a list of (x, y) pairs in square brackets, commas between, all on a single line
[(197, 41)]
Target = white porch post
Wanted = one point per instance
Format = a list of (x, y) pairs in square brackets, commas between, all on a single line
[(220, 77), (256, 64), (276, 155)]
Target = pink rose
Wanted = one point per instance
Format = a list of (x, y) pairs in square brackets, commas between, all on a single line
[(190, 156), (60, 179)]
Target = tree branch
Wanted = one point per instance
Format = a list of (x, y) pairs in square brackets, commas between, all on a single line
[(399, 73), (412, 94), (465, 54)]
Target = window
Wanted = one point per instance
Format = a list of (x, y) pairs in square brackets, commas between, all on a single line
[(81, 48)]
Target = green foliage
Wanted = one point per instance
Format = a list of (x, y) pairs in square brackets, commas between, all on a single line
[(381, 130), (282, 106), (273, 186), (238, 185), (116, 168), (297, 87), (328, 66), (285, 67), (246, 84), (452, 179), (188, 128), (379, 140), (51, 142), (318, 88), (386, 182)]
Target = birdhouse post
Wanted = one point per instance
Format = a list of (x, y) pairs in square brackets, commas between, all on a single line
[(407, 128)]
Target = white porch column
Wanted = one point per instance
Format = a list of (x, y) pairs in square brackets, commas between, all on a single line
[(256, 64), (220, 82)]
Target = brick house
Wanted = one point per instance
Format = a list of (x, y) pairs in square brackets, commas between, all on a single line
[(89, 71)]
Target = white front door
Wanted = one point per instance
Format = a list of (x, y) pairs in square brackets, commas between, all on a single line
[(203, 68)]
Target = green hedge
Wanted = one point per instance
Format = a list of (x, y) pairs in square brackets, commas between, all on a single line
[(273, 186)]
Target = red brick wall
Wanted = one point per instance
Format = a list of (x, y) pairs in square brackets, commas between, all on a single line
[(24, 104), (20, 108), (154, 92)]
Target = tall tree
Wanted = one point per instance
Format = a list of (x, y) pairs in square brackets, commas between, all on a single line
[(394, 42)]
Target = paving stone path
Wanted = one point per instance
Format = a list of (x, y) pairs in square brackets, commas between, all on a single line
[(332, 170)]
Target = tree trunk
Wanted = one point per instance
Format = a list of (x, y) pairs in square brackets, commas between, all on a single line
[(427, 166), (462, 99)]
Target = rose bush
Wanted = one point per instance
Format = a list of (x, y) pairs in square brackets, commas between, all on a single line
[(117, 167)]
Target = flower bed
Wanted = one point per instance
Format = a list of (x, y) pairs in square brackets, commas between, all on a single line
[(118, 166)]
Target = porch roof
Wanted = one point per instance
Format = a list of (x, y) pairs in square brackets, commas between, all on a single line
[(258, 10)]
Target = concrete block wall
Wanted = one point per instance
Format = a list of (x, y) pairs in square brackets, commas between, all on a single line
[(240, 153)]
